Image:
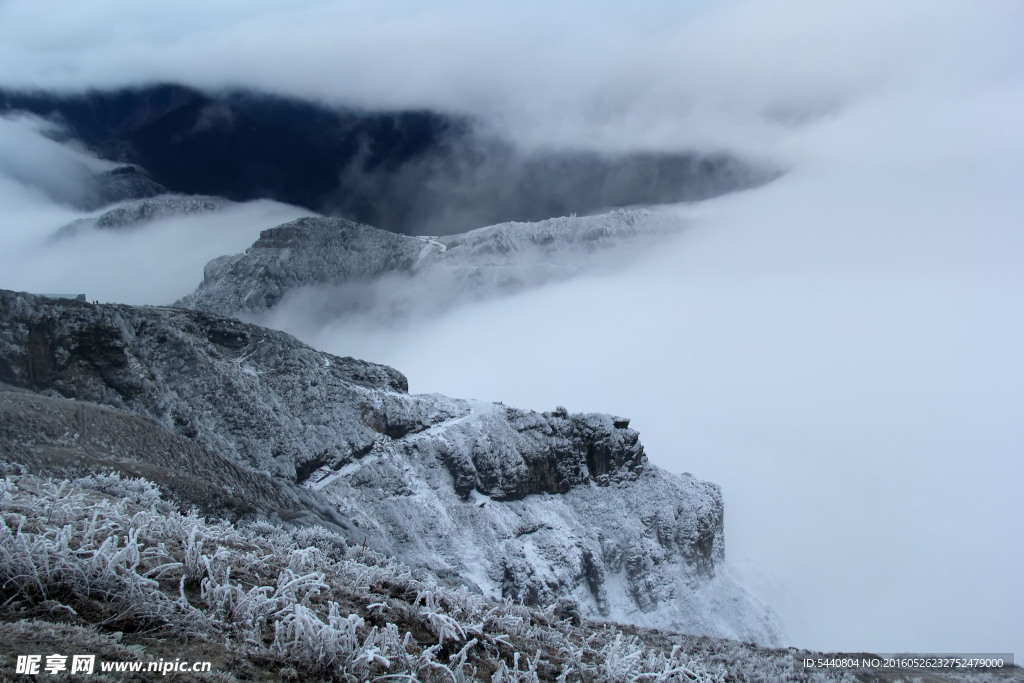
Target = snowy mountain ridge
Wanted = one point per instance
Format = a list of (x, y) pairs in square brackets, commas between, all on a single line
[(538, 507), (335, 267)]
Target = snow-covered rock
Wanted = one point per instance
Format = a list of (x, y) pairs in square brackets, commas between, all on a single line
[(540, 507)]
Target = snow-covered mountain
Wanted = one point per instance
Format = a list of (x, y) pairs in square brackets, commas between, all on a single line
[(330, 267), (539, 507)]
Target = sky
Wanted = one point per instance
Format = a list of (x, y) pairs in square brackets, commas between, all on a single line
[(839, 349)]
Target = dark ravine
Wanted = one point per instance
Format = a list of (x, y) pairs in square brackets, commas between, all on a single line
[(539, 507), (416, 172)]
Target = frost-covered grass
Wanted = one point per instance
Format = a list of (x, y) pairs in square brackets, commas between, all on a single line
[(111, 555)]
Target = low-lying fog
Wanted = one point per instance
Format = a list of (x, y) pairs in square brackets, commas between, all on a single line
[(841, 349)]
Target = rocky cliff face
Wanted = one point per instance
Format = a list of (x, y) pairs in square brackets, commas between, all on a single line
[(332, 266), (540, 507)]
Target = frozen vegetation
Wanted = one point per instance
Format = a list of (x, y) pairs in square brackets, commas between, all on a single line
[(104, 564), (111, 562)]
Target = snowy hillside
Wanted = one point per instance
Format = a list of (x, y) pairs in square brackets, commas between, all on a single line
[(105, 564), (536, 507)]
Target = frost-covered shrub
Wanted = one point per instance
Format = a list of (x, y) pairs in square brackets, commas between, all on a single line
[(139, 491), (329, 542), (107, 552), (61, 550), (8, 468)]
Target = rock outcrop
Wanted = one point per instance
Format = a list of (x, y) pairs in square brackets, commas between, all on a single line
[(539, 507)]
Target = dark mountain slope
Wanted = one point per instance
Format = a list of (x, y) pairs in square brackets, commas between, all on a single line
[(58, 437), (239, 146), (416, 172)]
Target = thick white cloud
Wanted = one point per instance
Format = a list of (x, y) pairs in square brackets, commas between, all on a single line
[(654, 73)]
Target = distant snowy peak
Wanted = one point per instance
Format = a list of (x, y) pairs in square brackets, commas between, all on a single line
[(146, 210), (344, 267), (139, 212)]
